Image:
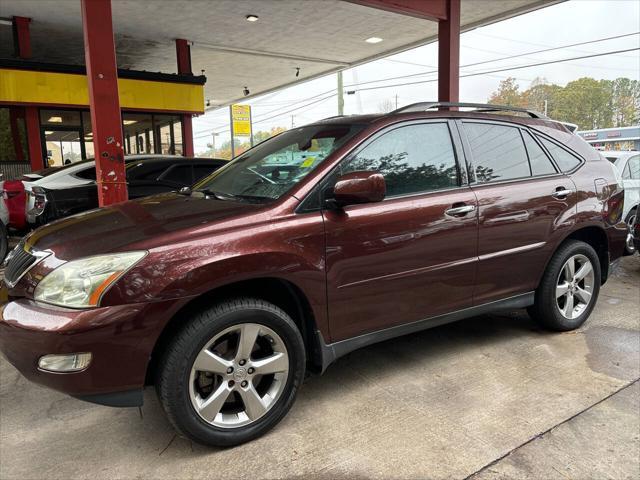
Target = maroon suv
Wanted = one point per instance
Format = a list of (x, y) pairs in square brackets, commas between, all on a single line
[(321, 240)]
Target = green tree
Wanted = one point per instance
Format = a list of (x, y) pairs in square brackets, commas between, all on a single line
[(541, 96), (625, 102), (508, 93), (585, 102)]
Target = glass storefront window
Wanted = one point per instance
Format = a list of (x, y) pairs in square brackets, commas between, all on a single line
[(66, 118), (165, 131), (138, 133), (87, 135)]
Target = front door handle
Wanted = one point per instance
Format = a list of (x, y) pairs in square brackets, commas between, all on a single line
[(561, 193), (460, 211)]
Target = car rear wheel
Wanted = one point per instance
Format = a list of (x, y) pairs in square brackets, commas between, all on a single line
[(232, 372), (569, 288)]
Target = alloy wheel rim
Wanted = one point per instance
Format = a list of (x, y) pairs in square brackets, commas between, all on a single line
[(574, 287), (239, 375), (630, 224)]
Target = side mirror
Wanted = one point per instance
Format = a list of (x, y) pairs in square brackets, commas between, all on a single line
[(359, 187)]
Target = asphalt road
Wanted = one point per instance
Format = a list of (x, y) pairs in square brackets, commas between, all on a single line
[(491, 397)]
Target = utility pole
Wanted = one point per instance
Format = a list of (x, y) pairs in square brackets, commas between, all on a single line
[(340, 94), (233, 145), (396, 101), (213, 144), (545, 108)]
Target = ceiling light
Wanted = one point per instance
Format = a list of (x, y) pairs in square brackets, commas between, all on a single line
[(55, 119), (129, 122), (48, 132), (251, 18), (373, 40)]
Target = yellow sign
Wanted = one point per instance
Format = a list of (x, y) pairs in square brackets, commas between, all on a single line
[(49, 88), (241, 120)]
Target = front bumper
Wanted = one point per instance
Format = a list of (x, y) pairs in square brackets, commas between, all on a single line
[(120, 339)]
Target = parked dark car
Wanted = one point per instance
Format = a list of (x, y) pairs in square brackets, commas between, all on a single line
[(319, 241), (72, 189)]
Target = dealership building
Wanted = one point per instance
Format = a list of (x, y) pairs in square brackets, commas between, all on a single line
[(622, 138)]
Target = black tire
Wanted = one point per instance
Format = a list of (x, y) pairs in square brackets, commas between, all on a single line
[(629, 246), (4, 242), (545, 309), (173, 373)]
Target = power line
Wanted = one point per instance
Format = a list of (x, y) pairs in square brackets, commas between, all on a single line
[(265, 116), (509, 57), (518, 67)]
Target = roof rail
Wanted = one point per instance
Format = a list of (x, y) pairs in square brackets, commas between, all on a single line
[(479, 107)]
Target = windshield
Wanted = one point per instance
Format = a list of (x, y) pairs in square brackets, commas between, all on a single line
[(272, 168)]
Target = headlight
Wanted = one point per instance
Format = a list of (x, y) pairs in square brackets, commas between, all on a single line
[(81, 283)]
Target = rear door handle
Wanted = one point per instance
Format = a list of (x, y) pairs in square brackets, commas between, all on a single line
[(561, 193), (460, 211)]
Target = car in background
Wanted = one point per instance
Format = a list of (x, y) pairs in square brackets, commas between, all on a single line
[(72, 189), (628, 164)]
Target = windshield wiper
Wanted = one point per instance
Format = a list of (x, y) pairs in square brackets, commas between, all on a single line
[(219, 195)]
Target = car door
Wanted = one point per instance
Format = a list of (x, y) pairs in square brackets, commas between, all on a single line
[(413, 255), (524, 205)]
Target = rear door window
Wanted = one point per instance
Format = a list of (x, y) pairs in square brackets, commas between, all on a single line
[(540, 162), (565, 160), (180, 175), (634, 167), (412, 159), (497, 151), (87, 173)]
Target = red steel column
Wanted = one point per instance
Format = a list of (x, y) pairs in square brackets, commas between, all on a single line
[(21, 37), (449, 54), (14, 115), (104, 102), (183, 55), (22, 42)]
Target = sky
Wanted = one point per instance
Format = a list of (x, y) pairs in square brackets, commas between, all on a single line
[(566, 23)]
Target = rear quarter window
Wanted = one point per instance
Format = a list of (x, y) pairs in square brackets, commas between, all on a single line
[(565, 160)]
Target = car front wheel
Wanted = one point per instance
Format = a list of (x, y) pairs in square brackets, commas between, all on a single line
[(569, 288), (232, 372)]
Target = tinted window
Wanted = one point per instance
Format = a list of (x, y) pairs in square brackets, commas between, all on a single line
[(145, 170), (179, 174), (564, 159), (634, 167), (540, 163), (415, 158), (498, 152), (201, 171), (87, 173)]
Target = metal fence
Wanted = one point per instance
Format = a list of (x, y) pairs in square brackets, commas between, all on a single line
[(13, 170)]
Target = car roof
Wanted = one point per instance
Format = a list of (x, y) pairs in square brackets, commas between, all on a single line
[(394, 117), (619, 153)]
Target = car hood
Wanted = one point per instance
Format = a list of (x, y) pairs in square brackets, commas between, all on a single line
[(139, 224)]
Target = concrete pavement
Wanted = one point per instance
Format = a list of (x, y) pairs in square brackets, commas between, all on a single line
[(491, 397)]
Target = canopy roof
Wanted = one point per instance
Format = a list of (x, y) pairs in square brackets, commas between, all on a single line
[(317, 37)]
